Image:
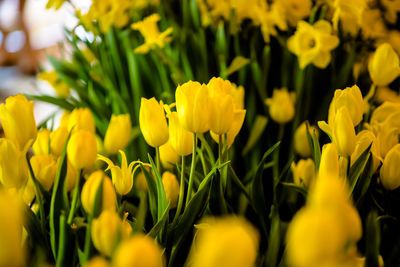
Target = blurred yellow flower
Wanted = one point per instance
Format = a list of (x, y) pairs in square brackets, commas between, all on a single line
[(386, 94), (18, 121), (349, 13), (118, 133), (152, 122), (281, 105), (304, 172), (153, 38), (45, 168), (82, 149), (122, 177), (301, 144), (89, 191), (56, 4), (329, 164), (171, 187), (139, 250), (372, 24), (42, 143), (61, 88), (13, 165), (168, 155), (390, 170), (313, 43), (180, 140), (224, 242), (296, 10), (363, 140), (97, 261), (193, 106), (81, 119), (384, 66), (58, 138)]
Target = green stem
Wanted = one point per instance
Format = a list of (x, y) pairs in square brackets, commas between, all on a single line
[(275, 169), (158, 160), (222, 180), (74, 199), (181, 192), (38, 196), (192, 167)]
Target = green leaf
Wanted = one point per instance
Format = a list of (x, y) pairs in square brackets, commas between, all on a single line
[(372, 240), (364, 181), (237, 63), (161, 197), (358, 167), (60, 102), (152, 193), (296, 188), (160, 225), (258, 128), (315, 147), (274, 239)]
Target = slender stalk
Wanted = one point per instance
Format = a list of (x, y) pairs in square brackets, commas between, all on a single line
[(181, 192), (192, 167), (158, 160), (74, 199), (275, 169), (222, 180)]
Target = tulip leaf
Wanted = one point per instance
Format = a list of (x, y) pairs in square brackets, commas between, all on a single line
[(315, 147), (274, 239), (258, 128), (60, 102), (152, 193), (372, 240), (296, 188), (236, 64), (364, 181), (161, 197), (358, 167), (160, 225)]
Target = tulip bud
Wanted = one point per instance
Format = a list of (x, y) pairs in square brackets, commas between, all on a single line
[(222, 105), (72, 176), (171, 187), (140, 179), (18, 120), (344, 134), (118, 133), (301, 144), (384, 66), (225, 242), (139, 250), (304, 172), (281, 105), (13, 165), (106, 231), (57, 140), (390, 170), (45, 168), (152, 122), (193, 106), (168, 156), (90, 188), (388, 137), (180, 139), (97, 261), (81, 119), (329, 164), (82, 149), (237, 123), (28, 194), (42, 143), (363, 140), (12, 252)]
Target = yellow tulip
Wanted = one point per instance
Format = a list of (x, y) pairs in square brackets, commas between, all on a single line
[(18, 120), (301, 144), (224, 242), (281, 105), (72, 176), (363, 140), (344, 135), (139, 250), (45, 168), (106, 231), (168, 156), (81, 119), (12, 252), (13, 165), (118, 133), (390, 170), (97, 261), (42, 143), (237, 123), (28, 194), (89, 191), (329, 164), (193, 107), (171, 187), (57, 140), (180, 139), (388, 137), (82, 149), (140, 179), (122, 177), (152, 122), (384, 66), (304, 172)]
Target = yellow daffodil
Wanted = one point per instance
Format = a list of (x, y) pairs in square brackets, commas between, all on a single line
[(153, 38), (281, 105), (118, 133), (384, 66), (313, 43), (349, 13), (296, 10)]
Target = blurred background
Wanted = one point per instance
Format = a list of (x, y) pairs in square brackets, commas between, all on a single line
[(28, 33)]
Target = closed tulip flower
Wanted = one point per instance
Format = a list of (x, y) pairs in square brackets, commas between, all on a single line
[(106, 231), (140, 179), (13, 166), (97, 261), (224, 242), (193, 106), (18, 120), (118, 133), (152, 122), (139, 251), (301, 144), (89, 191), (57, 140), (363, 140), (237, 124), (82, 149), (45, 168), (304, 172), (81, 119), (344, 134), (171, 187), (72, 176), (168, 156), (42, 143), (281, 105), (122, 177), (390, 170), (329, 164), (384, 66), (180, 139)]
